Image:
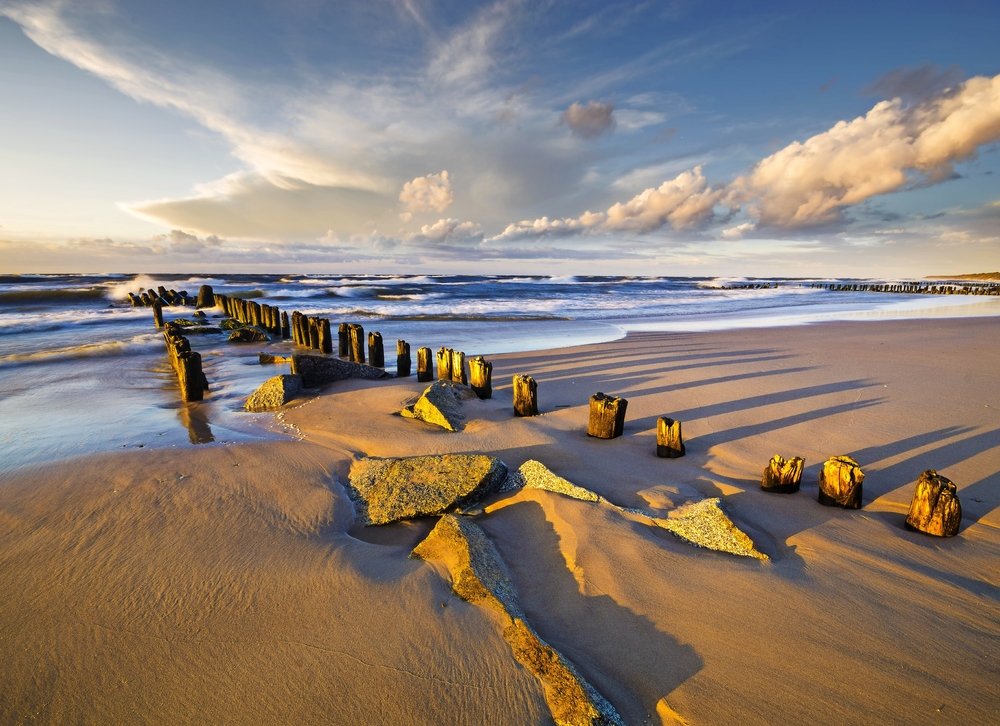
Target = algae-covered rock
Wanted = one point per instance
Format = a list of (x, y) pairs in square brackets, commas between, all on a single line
[(441, 405), (274, 393), (388, 490), (247, 335), (479, 576), (267, 358), (534, 475), (231, 324), (317, 370), (705, 524)]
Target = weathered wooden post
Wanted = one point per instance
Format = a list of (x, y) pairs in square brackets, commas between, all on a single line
[(158, 315), (344, 340), (325, 337), (607, 416), (480, 376), (458, 374), (314, 333), (782, 477), (190, 376), (376, 353), (841, 483), (285, 327), (357, 343), (525, 396), (444, 364), (425, 365), (935, 508), (402, 359), (669, 443), (206, 297)]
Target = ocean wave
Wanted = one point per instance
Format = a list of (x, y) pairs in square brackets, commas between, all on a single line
[(53, 295), (108, 349)]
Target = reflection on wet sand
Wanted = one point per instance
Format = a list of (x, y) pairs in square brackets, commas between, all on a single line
[(194, 417)]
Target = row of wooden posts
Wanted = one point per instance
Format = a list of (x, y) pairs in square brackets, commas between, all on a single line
[(186, 363), (159, 296), (915, 288)]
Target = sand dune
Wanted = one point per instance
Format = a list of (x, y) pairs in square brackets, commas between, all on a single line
[(228, 584)]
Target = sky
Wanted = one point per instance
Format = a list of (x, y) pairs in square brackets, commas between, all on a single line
[(659, 138)]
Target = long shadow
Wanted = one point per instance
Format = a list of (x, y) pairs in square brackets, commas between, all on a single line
[(622, 654), (641, 359), (721, 379), (766, 399), (887, 451)]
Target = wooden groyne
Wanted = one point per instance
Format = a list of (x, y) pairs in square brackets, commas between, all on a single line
[(186, 363)]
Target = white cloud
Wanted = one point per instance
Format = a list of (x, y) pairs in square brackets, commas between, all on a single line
[(632, 120), (683, 201), (738, 231), (425, 193), (446, 231), (186, 243), (590, 121), (546, 227)]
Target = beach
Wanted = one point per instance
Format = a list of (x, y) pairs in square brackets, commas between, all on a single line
[(230, 583)]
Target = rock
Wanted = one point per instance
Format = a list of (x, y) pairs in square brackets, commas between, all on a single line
[(440, 404), (274, 393), (206, 297), (782, 476), (841, 483), (935, 508), (266, 358), (479, 576), (199, 314), (247, 335), (231, 324), (535, 475), (705, 524), (317, 370), (388, 490)]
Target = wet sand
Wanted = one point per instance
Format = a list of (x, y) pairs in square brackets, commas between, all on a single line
[(227, 584)]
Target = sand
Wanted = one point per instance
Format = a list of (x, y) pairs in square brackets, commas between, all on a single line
[(228, 584)]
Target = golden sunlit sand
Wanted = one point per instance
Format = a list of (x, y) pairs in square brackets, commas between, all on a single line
[(230, 584)]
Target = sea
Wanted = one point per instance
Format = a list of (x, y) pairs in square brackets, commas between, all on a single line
[(82, 371)]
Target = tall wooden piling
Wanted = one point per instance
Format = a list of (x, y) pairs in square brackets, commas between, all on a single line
[(158, 315), (314, 333), (669, 442), (481, 377), (376, 353), (344, 340), (206, 297), (607, 416), (285, 327), (425, 365), (525, 396), (325, 339), (458, 374), (402, 359), (357, 343), (444, 364)]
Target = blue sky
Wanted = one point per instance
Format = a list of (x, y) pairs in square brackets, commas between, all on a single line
[(405, 135)]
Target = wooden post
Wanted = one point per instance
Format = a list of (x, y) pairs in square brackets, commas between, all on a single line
[(402, 359), (376, 353), (190, 376), (425, 365), (458, 367), (525, 396), (444, 364), (285, 327), (344, 340), (782, 477), (669, 443), (206, 297), (357, 343), (158, 315), (325, 338), (255, 314), (480, 375), (607, 416), (841, 483)]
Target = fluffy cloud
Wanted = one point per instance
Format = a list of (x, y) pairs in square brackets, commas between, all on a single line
[(546, 227), (425, 193), (446, 231), (186, 243), (590, 121), (683, 201), (811, 183), (738, 231)]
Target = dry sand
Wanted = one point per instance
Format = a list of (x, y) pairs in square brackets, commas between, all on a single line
[(227, 584)]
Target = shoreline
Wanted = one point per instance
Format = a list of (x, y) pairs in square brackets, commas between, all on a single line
[(229, 583)]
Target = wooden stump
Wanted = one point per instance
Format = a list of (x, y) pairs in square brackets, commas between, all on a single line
[(402, 359), (357, 343), (607, 416), (525, 396), (285, 327), (314, 333), (669, 442), (325, 338), (841, 483), (158, 315), (782, 477), (935, 508), (458, 367), (444, 364), (376, 353), (344, 340), (206, 297), (190, 376), (480, 376), (425, 365)]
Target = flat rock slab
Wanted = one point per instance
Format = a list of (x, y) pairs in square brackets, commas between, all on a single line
[(705, 524), (388, 490), (248, 335), (535, 475), (479, 576), (274, 393), (440, 404), (317, 370)]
